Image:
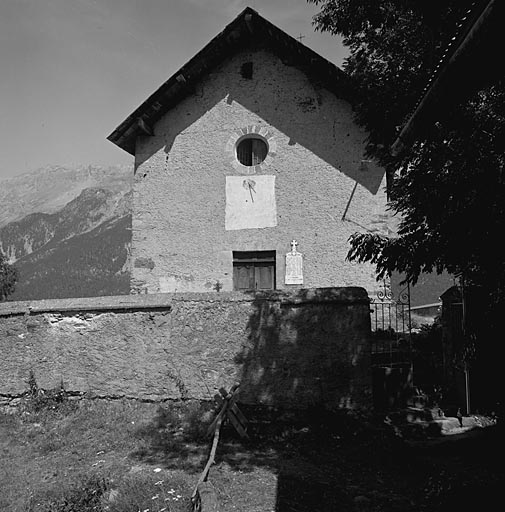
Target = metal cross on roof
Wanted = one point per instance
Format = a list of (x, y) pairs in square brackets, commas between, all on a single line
[(300, 37), (294, 244)]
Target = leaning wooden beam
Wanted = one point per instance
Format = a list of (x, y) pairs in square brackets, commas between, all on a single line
[(216, 424), (203, 477), (207, 497)]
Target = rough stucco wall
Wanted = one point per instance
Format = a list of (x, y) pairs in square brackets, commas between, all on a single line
[(179, 240), (285, 349)]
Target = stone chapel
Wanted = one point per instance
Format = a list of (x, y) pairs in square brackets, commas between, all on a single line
[(250, 171)]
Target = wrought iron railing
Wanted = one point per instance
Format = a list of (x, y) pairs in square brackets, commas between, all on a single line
[(391, 327)]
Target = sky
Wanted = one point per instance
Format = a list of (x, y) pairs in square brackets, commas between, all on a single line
[(73, 70)]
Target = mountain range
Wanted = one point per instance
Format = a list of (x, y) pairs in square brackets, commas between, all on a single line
[(67, 230)]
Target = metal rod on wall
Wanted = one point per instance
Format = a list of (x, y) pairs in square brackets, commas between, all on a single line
[(465, 339)]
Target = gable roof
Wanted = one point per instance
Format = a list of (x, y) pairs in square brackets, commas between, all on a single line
[(246, 29), (462, 69)]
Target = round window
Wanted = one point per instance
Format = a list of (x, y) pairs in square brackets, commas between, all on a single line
[(251, 151)]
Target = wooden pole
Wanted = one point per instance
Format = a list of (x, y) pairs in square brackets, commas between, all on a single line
[(228, 402), (205, 472)]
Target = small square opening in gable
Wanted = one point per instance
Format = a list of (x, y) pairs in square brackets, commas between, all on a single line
[(247, 70)]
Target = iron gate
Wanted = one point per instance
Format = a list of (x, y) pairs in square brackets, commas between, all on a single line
[(391, 348)]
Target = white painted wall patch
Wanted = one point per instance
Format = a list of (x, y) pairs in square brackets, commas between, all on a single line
[(250, 202)]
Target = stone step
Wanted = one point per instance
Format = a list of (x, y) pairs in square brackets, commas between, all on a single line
[(428, 422)]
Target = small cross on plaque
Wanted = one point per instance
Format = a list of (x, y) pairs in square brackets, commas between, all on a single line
[(294, 265)]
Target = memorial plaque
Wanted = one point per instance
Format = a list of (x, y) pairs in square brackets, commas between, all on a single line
[(294, 265)]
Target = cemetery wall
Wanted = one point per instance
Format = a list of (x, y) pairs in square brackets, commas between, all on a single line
[(285, 349)]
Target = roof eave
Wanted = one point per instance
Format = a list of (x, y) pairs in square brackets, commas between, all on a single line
[(440, 82), (242, 30)]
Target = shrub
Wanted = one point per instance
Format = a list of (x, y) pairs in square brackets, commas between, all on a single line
[(40, 400)]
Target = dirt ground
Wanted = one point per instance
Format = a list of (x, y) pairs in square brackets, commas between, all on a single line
[(369, 470), (320, 463)]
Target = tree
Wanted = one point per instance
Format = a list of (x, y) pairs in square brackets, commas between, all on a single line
[(394, 47), (448, 188), (8, 278)]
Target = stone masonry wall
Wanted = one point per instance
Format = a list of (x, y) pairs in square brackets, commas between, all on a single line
[(285, 349), (325, 188)]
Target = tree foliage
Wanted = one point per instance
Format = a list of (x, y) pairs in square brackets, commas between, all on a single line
[(8, 278), (448, 188)]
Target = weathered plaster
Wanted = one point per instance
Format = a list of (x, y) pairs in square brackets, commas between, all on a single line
[(285, 349), (180, 195)]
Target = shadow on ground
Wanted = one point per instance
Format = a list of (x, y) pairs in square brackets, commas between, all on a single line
[(319, 458), (336, 461)]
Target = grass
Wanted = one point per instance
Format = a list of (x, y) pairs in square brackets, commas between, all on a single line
[(91, 455), (60, 455)]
